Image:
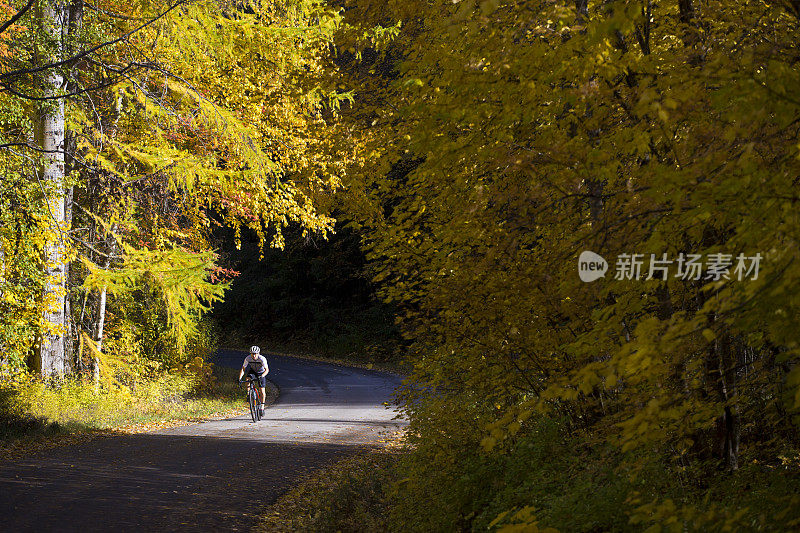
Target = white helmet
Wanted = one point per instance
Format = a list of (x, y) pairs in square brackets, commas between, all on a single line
[(255, 349)]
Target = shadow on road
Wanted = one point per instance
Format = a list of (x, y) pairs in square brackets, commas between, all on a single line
[(160, 482)]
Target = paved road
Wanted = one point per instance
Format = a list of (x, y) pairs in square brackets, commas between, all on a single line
[(205, 477)]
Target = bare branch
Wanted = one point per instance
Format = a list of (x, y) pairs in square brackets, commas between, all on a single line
[(103, 85), (91, 50), (110, 13), (16, 17)]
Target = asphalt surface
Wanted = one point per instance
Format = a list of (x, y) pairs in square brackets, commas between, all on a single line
[(217, 475)]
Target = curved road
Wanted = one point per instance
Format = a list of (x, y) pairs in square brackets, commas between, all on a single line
[(210, 476)]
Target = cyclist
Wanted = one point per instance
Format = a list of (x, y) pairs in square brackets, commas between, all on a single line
[(256, 366)]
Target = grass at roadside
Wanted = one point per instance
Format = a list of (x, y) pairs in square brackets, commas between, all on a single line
[(349, 495), (34, 416)]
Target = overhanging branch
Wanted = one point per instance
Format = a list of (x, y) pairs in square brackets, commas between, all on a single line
[(56, 64), (16, 17)]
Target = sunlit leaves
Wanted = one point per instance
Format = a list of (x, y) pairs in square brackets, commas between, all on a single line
[(537, 133)]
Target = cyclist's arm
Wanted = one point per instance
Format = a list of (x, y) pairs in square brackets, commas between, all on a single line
[(266, 368)]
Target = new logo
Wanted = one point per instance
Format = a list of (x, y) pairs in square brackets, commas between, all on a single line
[(591, 266)]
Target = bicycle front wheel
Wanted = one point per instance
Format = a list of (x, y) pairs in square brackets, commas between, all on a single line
[(253, 399)]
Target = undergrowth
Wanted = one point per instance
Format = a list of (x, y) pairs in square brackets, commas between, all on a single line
[(32, 411), (348, 496), (545, 480)]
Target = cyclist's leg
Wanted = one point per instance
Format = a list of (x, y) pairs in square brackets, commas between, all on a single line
[(262, 396)]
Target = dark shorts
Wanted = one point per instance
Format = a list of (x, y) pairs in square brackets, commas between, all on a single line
[(262, 381)]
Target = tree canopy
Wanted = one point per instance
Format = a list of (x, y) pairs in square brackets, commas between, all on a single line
[(487, 153), (172, 112), (512, 137)]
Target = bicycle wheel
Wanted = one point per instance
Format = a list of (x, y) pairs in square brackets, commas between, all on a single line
[(258, 405), (253, 399)]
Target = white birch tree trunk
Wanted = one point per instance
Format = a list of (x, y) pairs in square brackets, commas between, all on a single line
[(49, 136), (101, 315), (69, 353), (98, 334), (2, 280)]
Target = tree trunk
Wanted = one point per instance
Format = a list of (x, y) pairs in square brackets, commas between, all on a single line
[(69, 352), (2, 277), (721, 367), (101, 315), (582, 8), (49, 137), (689, 13), (70, 365), (98, 334), (686, 10)]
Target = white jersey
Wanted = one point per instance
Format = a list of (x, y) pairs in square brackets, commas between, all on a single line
[(257, 364)]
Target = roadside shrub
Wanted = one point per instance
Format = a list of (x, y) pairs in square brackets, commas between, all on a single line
[(348, 496), (549, 476), (33, 411)]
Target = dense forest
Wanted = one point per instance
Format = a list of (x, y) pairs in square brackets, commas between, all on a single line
[(573, 225)]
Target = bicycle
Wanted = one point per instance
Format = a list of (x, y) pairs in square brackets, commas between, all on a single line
[(252, 398)]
